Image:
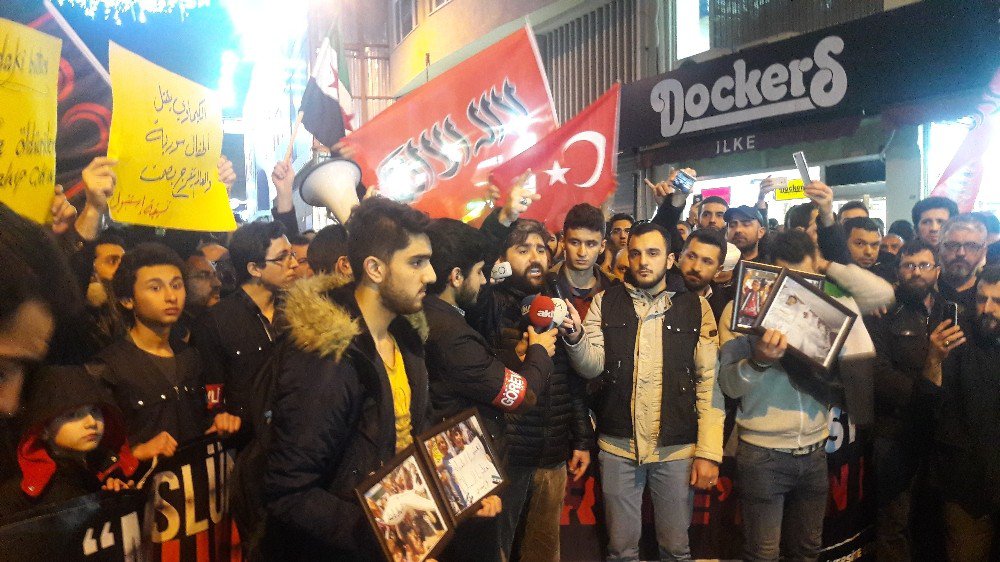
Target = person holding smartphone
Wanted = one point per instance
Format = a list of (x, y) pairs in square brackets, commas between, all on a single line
[(904, 397)]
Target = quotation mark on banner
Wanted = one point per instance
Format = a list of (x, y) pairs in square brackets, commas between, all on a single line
[(107, 540)]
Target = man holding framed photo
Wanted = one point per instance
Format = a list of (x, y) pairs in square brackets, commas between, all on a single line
[(781, 458)]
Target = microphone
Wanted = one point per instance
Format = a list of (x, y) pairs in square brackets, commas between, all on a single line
[(553, 287), (541, 313), (526, 304)]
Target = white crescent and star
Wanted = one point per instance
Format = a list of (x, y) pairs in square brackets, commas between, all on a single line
[(557, 174)]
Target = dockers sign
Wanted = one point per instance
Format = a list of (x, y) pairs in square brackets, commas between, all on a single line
[(858, 68)]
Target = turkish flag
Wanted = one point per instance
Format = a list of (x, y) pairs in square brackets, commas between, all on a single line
[(574, 164)]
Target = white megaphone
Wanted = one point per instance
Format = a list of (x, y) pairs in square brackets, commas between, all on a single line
[(330, 181)]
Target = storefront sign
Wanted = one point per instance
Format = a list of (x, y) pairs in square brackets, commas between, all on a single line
[(857, 68)]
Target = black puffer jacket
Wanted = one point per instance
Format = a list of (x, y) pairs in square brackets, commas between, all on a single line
[(559, 423), (333, 424)]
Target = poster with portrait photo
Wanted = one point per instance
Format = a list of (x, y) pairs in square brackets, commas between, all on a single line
[(464, 461), (404, 510), (754, 282), (815, 323)]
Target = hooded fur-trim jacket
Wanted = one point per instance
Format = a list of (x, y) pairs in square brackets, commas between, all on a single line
[(333, 421)]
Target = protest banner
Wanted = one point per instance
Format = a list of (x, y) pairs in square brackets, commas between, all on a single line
[(29, 78), (166, 133), (574, 164), (182, 513), (435, 147)]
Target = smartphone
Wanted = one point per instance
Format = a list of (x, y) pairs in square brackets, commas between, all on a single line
[(697, 199), (683, 182), (800, 163), (951, 312)]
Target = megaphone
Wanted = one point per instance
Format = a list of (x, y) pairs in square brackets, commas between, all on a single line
[(330, 181)]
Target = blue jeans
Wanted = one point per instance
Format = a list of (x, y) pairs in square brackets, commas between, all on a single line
[(784, 500), (622, 484)]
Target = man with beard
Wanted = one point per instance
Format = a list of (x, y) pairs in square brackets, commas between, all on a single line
[(203, 286), (903, 397), (557, 429), (962, 250), (351, 389), (746, 230), (864, 241), (659, 417), (929, 216), (701, 260), (578, 276), (968, 432), (236, 335), (464, 372)]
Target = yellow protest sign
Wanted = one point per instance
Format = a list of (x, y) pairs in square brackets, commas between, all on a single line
[(794, 190), (29, 83), (166, 133)]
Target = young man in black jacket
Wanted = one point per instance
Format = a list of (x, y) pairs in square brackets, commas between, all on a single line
[(904, 399), (236, 335), (351, 389), (963, 364), (465, 372), (558, 428)]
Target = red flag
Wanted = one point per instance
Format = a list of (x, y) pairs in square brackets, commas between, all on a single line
[(574, 164), (961, 180), (436, 146)]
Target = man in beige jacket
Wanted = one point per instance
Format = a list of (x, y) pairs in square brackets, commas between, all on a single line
[(659, 411)]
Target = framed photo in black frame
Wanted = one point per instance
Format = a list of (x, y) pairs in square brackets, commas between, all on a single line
[(815, 324), (464, 462), (407, 514), (414, 503), (754, 282)]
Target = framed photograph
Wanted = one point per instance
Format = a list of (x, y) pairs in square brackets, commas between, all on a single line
[(409, 518), (464, 462), (754, 282), (816, 324), (414, 503)]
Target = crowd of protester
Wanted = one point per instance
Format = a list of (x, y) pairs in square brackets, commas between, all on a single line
[(321, 354)]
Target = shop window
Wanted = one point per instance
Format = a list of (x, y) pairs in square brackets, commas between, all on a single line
[(691, 27), (405, 15)]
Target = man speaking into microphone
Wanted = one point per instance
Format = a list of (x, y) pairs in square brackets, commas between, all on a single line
[(555, 435), (464, 372)]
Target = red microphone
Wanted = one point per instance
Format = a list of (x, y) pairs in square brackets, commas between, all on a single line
[(542, 313)]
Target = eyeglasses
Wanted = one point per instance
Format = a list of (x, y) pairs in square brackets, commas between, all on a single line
[(969, 247), (922, 266), (284, 258)]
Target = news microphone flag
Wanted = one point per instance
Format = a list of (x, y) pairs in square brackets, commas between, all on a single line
[(576, 163), (542, 313), (327, 107)]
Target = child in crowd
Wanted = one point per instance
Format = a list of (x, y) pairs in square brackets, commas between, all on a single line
[(74, 444)]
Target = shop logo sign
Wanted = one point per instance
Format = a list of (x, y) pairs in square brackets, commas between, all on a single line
[(743, 96)]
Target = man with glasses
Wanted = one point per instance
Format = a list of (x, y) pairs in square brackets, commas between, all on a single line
[(903, 396), (235, 336), (962, 250)]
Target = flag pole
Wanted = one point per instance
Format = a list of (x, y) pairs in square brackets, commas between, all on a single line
[(291, 140)]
